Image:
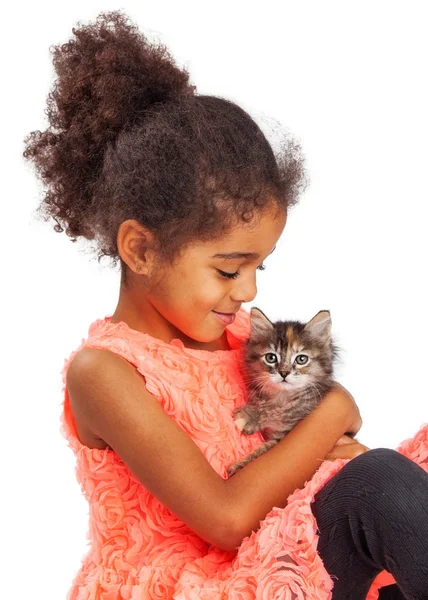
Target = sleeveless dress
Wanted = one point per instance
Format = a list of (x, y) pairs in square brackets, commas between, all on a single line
[(138, 549)]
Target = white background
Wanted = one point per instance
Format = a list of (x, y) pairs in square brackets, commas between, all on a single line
[(348, 79)]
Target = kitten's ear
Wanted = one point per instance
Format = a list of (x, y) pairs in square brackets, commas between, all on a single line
[(260, 324), (320, 325)]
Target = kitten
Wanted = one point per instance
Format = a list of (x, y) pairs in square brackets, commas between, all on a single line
[(288, 368)]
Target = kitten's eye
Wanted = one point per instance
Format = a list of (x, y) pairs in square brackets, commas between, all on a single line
[(270, 358), (301, 359)]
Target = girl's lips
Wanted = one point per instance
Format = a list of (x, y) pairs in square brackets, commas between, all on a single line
[(225, 318)]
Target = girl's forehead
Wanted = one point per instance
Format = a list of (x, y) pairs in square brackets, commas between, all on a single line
[(249, 240)]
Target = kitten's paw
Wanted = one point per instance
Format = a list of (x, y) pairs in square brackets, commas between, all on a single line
[(241, 422), (240, 417), (250, 428), (244, 421)]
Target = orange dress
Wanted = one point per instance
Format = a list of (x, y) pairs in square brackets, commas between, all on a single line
[(138, 549)]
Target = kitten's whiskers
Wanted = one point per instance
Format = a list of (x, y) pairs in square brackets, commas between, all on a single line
[(260, 384), (316, 388)]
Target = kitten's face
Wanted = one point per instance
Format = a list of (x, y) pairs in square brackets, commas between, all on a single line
[(289, 355)]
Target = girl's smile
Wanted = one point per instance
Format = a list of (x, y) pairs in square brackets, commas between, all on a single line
[(226, 318)]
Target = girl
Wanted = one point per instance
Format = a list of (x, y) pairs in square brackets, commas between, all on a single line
[(185, 192)]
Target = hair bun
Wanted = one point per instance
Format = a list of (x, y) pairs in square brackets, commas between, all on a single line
[(109, 77)]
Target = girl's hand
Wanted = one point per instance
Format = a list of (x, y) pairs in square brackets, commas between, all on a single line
[(346, 447)]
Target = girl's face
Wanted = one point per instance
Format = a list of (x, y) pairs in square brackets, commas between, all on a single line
[(215, 277)]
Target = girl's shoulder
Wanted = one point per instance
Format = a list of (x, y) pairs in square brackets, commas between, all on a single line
[(164, 366)]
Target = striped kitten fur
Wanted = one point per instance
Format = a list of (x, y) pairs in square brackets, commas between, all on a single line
[(288, 368)]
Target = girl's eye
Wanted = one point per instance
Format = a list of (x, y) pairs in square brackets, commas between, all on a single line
[(270, 358), (228, 275), (302, 359), (236, 274)]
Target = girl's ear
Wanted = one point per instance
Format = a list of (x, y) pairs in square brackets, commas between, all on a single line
[(320, 325), (260, 324), (136, 246)]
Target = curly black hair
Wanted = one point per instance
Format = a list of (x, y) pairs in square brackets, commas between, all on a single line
[(129, 138)]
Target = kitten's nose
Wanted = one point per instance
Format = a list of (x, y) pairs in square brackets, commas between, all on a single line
[(284, 374)]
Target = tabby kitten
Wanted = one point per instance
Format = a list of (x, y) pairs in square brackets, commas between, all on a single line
[(288, 368)]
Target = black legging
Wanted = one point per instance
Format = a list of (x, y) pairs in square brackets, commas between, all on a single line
[(373, 515)]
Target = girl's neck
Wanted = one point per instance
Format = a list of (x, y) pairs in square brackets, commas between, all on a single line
[(145, 318)]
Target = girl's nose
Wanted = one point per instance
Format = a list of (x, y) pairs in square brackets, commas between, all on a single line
[(245, 290)]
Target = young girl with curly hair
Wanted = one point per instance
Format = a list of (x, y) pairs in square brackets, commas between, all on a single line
[(185, 192)]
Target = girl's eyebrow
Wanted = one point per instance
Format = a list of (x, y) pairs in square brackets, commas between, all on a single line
[(234, 255), (230, 255)]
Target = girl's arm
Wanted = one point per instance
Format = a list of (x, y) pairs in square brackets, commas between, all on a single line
[(268, 480), (108, 398)]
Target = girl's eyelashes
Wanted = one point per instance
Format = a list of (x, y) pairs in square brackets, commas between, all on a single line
[(235, 275)]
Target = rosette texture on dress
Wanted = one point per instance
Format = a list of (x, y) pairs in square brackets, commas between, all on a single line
[(139, 550)]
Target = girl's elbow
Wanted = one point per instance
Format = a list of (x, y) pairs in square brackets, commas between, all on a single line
[(231, 537)]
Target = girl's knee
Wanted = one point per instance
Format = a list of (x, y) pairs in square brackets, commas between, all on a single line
[(376, 476), (378, 454), (384, 470), (376, 462), (385, 482)]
